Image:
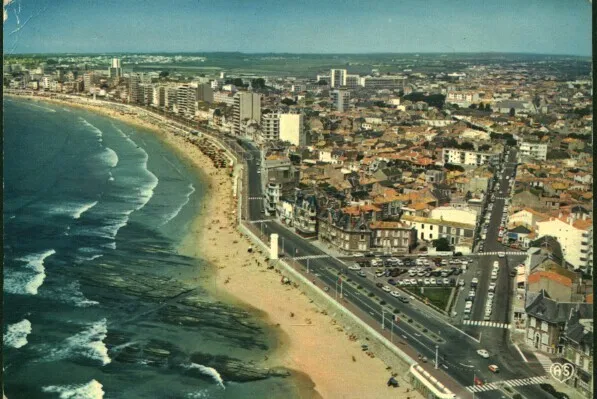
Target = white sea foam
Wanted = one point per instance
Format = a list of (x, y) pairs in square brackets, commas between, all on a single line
[(21, 281), (179, 208), (71, 209), (16, 334), (198, 395), (91, 390), (41, 107), (84, 209), (98, 132), (71, 293), (88, 343), (210, 371), (109, 157)]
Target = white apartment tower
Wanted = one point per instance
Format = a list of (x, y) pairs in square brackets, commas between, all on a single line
[(247, 107), (291, 129), (338, 78), (115, 70), (135, 93)]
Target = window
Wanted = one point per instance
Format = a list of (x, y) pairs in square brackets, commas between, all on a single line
[(544, 326), (577, 359), (395, 242), (387, 233), (532, 322), (431, 228), (379, 233), (545, 339), (422, 226), (530, 335), (362, 237), (430, 236), (585, 364)]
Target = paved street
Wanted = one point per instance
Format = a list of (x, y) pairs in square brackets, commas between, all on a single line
[(457, 343)]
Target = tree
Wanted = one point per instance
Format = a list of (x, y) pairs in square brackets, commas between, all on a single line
[(258, 83), (481, 107), (512, 112), (288, 101), (441, 244), (473, 106), (322, 82), (164, 74)]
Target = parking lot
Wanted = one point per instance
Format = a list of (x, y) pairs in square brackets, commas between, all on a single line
[(408, 273)]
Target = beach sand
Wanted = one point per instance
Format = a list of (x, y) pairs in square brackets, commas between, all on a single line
[(310, 341)]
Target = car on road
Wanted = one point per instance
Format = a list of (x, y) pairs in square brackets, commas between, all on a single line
[(403, 299), (386, 288), (493, 368), (379, 285), (501, 254), (460, 283), (491, 287), (362, 273), (474, 282), (490, 295), (483, 353), (395, 294), (354, 267), (392, 281)]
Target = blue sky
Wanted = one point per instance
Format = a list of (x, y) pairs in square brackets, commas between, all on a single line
[(300, 26)]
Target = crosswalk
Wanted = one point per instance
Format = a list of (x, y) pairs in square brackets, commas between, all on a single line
[(311, 257), (487, 324), (544, 361), (507, 383), (502, 198), (494, 253), (261, 221), (255, 198)]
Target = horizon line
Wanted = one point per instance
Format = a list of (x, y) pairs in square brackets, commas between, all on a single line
[(301, 53)]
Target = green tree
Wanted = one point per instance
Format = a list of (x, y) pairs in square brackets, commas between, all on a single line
[(512, 112), (164, 74), (473, 106), (322, 82), (258, 83), (288, 101), (481, 107), (441, 244)]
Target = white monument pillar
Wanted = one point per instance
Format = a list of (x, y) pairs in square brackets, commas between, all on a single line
[(273, 247)]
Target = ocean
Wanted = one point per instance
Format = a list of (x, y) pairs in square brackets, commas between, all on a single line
[(98, 301)]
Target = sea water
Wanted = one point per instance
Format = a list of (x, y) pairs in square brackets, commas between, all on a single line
[(98, 303)]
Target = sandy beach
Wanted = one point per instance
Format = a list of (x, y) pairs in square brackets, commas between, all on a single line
[(311, 342)]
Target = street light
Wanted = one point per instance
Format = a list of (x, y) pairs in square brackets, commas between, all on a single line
[(436, 356), (383, 319)]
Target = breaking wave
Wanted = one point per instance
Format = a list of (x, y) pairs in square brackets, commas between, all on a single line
[(16, 334), (209, 371), (91, 390)]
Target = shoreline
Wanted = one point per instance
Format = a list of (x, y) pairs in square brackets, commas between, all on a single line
[(310, 344)]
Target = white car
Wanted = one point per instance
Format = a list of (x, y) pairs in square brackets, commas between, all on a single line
[(426, 281), (395, 294), (483, 353), (401, 283), (432, 281), (446, 281), (490, 295), (413, 281), (354, 267), (491, 287), (496, 264), (386, 288), (461, 283), (501, 254)]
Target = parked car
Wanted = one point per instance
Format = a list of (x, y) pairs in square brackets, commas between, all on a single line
[(379, 285), (362, 273), (386, 288), (403, 299), (354, 267), (395, 294), (483, 353), (432, 281)]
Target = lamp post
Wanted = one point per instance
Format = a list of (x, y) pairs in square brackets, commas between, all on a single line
[(383, 315), (436, 356)]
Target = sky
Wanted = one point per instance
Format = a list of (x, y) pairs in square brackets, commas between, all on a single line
[(298, 26)]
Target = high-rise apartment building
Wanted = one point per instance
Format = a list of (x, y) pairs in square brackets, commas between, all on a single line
[(337, 78), (159, 97), (340, 100), (89, 80), (135, 93), (247, 107), (115, 70), (186, 97), (291, 129), (205, 93), (270, 127)]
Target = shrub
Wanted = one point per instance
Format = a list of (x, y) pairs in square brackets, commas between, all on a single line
[(371, 294), (425, 330), (359, 287), (382, 302), (548, 388), (410, 320), (396, 311), (517, 396)]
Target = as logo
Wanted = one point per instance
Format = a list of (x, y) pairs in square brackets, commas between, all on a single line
[(562, 371)]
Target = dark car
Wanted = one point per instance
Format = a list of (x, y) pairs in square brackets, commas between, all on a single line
[(392, 281), (379, 285), (457, 272), (369, 254), (395, 272)]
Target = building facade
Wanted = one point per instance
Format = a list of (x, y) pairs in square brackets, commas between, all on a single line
[(340, 100), (247, 107)]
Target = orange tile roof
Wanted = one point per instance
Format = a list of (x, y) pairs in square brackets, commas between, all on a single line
[(590, 298), (583, 224), (558, 278)]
